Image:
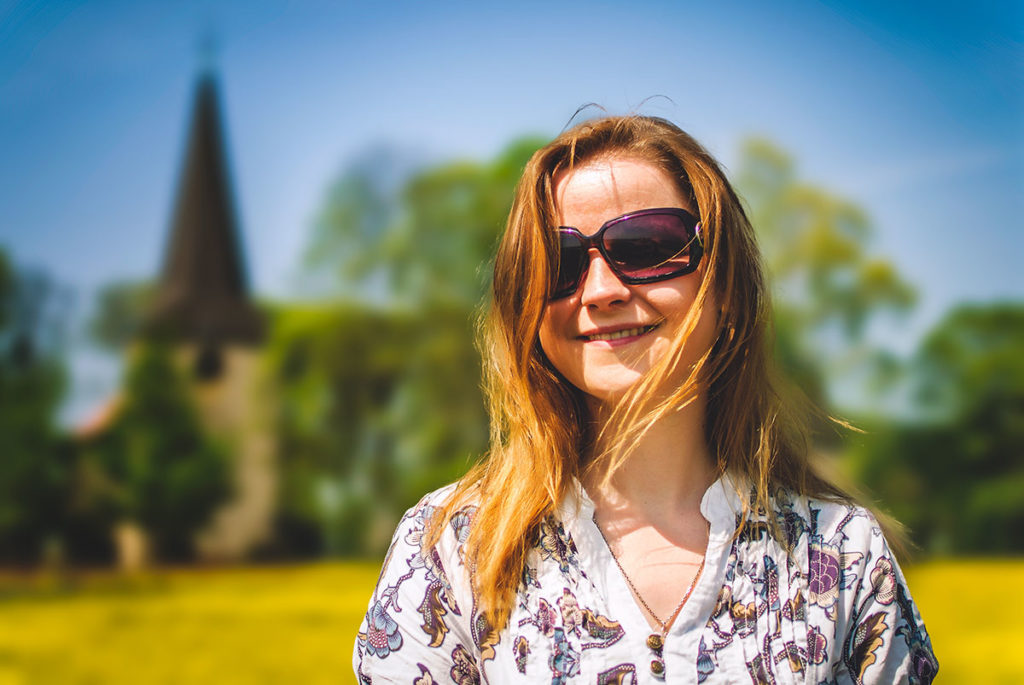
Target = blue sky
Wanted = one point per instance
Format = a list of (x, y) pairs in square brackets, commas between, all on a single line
[(913, 110)]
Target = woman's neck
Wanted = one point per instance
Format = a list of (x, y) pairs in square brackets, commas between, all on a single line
[(665, 474)]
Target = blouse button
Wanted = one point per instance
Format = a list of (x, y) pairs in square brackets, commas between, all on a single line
[(655, 642), (657, 666)]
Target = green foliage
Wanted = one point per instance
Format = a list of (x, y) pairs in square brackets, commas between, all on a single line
[(955, 474), (827, 287), (34, 464), (380, 397), (7, 284), (376, 408), (155, 465), (973, 358), (349, 235), (421, 241), (119, 313)]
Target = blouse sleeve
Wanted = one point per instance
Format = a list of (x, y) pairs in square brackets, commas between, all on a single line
[(416, 626), (885, 639)]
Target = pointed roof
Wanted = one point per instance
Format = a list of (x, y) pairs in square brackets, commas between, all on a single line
[(202, 294)]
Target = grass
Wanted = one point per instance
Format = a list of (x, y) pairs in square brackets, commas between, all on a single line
[(297, 624)]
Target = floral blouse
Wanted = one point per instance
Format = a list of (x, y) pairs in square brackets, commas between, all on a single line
[(836, 609)]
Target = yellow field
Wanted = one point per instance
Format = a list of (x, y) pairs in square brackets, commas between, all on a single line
[(296, 625), (974, 612), (259, 625)]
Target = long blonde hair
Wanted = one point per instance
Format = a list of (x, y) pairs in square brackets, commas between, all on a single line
[(540, 425)]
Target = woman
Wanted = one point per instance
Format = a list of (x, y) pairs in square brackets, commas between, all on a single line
[(647, 510)]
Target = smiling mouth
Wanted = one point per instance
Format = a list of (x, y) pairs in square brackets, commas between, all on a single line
[(618, 335)]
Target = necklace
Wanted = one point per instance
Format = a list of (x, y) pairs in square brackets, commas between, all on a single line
[(656, 641)]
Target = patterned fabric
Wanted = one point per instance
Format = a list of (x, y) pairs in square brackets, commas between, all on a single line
[(836, 609)]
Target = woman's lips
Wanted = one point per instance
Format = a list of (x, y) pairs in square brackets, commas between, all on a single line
[(622, 334)]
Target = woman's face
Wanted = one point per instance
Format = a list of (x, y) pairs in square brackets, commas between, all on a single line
[(575, 330)]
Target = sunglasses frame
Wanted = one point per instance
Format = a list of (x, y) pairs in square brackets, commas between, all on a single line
[(596, 241)]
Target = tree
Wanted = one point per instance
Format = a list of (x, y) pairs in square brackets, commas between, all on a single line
[(380, 393), (406, 239), (827, 286), (35, 467), (120, 313), (345, 253), (955, 472), (377, 407), (155, 466)]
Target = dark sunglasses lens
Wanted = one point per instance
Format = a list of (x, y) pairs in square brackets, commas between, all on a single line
[(651, 246), (571, 263)]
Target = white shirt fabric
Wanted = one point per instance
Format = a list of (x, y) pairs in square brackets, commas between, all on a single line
[(835, 609)]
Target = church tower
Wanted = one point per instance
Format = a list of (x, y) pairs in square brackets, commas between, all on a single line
[(203, 294), (202, 305)]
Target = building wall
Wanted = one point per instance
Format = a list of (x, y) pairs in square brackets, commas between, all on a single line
[(237, 408)]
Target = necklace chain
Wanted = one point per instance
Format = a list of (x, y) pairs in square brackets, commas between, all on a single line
[(679, 607)]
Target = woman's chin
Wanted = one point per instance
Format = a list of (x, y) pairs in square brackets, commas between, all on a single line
[(609, 394)]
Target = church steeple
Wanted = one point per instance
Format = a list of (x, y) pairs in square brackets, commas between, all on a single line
[(202, 294)]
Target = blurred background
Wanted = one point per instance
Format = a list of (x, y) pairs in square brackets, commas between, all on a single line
[(242, 245)]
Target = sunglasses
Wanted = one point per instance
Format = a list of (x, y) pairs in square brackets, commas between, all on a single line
[(639, 247)]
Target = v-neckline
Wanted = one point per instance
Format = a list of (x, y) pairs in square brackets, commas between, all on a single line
[(624, 588), (718, 507)]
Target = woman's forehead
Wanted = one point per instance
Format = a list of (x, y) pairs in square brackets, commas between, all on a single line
[(607, 187)]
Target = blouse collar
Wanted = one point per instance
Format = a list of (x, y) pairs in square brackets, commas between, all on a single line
[(720, 504)]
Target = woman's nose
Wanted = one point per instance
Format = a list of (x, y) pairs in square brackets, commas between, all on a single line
[(601, 287)]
